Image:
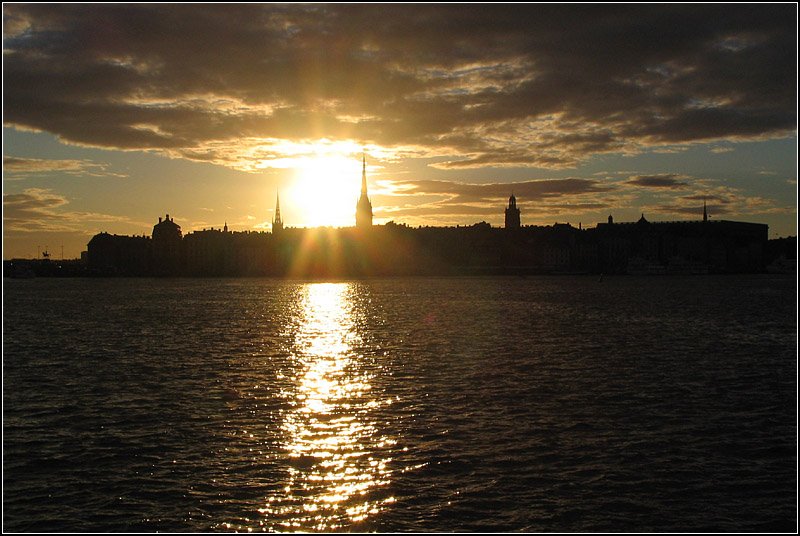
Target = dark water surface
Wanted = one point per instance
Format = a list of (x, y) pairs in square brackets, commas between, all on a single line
[(464, 404)]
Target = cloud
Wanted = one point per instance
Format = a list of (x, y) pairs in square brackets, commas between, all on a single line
[(490, 86), (39, 209), (531, 190), (690, 210), (450, 202), (18, 168), (668, 196), (720, 201), (666, 180)]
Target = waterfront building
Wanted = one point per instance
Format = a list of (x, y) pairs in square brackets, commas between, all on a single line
[(512, 213), (703, 246), (636, 247), (167, 240), (364, 207), (109, 254), (166, 231), (277, 222)]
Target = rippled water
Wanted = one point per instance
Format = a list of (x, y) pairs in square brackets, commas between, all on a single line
[(463, 404)]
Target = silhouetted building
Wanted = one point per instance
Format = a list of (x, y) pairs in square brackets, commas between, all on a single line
[(699, 246), (364, 207), (167, 240), (640, 247), (108, 254), (209, 252), (166, 230), (512, 213), (277, 223)]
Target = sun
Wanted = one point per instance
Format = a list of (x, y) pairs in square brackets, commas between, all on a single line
[(325, 189)]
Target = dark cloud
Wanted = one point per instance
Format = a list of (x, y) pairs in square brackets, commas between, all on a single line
[(714, 210), (713, 198), (572, 199), (522, 85), (450, 202), (666, 180), (32, 199), (458, 192), (16, 167), (38, 209), (34, 209)]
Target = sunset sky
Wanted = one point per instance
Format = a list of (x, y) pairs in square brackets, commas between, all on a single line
[(115, 115)]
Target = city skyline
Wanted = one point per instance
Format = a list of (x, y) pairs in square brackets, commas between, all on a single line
[(113, 114)]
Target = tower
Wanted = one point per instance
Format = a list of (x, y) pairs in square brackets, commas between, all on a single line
[(277, 223), (167, 243), (705, 211), (363, 207), (512, 213)]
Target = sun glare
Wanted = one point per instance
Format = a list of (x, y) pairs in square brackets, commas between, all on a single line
[(326, 180), (325, 190)]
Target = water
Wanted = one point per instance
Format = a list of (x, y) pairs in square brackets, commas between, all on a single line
[(463, 404)]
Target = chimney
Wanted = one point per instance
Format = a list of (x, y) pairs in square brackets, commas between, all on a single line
[(159, 219)]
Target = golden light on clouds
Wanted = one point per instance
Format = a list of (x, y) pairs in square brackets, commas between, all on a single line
[(481, 101)]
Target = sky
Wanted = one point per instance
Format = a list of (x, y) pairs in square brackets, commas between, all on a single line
[(115, 114)]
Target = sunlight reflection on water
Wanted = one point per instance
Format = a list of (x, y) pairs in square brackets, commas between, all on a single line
[(332, 440), (479, 404)]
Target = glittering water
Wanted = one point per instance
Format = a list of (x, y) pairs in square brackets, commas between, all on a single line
[(465, 404)]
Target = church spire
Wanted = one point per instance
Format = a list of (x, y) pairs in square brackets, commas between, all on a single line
[(277, 223), (705, 211), (363, 174), (363, 207)]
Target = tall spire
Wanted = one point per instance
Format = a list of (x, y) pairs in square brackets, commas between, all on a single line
[(363, 174), (705, 211), (277, 223), (363, 207)]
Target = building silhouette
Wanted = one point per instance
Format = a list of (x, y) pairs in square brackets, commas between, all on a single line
[(512, 213), (641, 247), (109, 254), (167, 239), (364, 207), (277, 223)]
